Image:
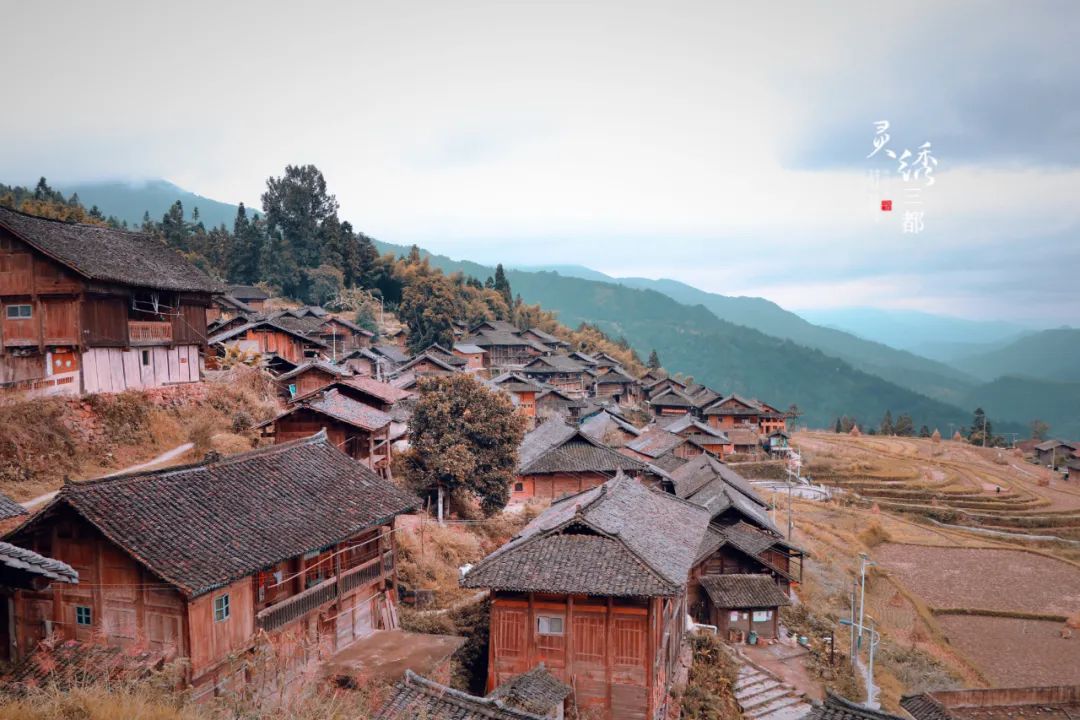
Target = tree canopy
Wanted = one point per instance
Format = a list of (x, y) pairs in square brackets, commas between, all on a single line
[(464, 437)]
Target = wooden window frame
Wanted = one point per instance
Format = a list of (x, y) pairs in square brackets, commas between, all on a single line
[(539, 626), (222, 609), (84, 611), (18, 307)]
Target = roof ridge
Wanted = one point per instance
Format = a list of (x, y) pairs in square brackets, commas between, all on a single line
[(318, 437), (58, 221)]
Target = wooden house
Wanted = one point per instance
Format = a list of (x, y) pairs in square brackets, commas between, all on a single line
[(656, 442), (379, 395), (504, 349), (610, 428), (251, 296), (553, 403), (338, 335), (1055, 453), (361, 431), (522, 391), (472, 354), (268, 338), (595, 588), (533, 695), (308, 377), (744, 441), (545, 338), (290, 543), (362, 361), (501, 326), (557, 459), (772, 420), (560, 372), (225, 307), (671, 402), (393, 357), (86, 309), (663, 384), (734, 411), (701, 434), (429, 363), (619, 387), (22, 569)]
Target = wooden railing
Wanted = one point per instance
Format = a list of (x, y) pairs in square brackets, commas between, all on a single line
[(316, 596), (141, 332)]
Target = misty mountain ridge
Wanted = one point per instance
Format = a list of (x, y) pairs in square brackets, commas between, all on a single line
[(736, 344)]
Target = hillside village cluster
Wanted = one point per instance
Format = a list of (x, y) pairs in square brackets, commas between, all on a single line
[(647, 535)]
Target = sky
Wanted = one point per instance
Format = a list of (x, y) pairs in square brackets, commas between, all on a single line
[(723, 144)]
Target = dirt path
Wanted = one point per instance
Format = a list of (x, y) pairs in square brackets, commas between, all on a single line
[(161, 459)]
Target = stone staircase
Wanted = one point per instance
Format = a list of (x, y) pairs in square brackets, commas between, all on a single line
[(763, 696)]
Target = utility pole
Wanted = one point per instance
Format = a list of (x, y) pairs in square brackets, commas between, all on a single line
[(852, 623), (789, 520), (984, 429), (875, 638), (865, 562)]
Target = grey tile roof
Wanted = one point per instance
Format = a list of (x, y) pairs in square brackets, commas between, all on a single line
[(838, 708), (557, 447), (227, 335), (468, 348), (536, 691), (417, 698), (248, 292), (688, 422), (614, 377), (199, 527), (109, 255), (554, 364), (392, 353), (922, 707), (492, 338), (335, 404), (302, 368), (27, 561), (9, 508), (704, 470), (618, 539), (435, 358), (744, 591), (655, 442)]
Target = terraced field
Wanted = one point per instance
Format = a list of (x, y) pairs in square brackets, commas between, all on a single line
[(949, 482)]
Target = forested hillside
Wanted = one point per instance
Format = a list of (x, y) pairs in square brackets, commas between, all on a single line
[(1047, 355), (299, 246)]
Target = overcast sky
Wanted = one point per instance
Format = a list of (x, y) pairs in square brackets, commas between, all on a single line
[(722, 144)]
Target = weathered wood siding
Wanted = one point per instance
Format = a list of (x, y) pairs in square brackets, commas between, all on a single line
[(605, 652), (553, 485), (116, 370)]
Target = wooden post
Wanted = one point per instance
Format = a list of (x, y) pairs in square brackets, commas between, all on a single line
[(568, 640), (650, 675), (530, 646), (609, 648)]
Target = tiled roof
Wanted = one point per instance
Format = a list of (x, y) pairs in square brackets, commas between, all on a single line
[(614, 377), (313, 365), (73, 663), (536, 691), (379, 390), (247, 292), (392, 353), (9, 508), (598, 425), (922, 707), (200, 527), (618, 539), (417, 698), (339, 406), (1051, 444), (1048, 702), (558, 447), (655, 442), (229, 302), (671, 398), (744, 591), (496, 325), (554, 364), (490, 338), (746, 407), (838, 708), (439, 360), (468, 349), (28, 562), (688, 422), (742, 436), (704, 470), (227, 335), (109, 255)]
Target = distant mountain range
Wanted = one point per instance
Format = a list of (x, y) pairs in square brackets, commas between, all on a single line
[(129, 201), (751, 345)]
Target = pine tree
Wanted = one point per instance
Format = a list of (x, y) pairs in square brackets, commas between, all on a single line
[(886, 424), (503, 285), (924, 432), (296, 205), (838, 428), (904, 426), (654, 360)]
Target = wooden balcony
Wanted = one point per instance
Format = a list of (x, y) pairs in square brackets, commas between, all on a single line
[(316, 596), (149, 333)]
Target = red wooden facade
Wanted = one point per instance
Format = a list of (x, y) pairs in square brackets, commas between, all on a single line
[(618, 653), (63, 332)]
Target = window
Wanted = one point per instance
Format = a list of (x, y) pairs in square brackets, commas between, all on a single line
[(548, 625), (146, 358), (19, 312), (762, 615), (519, 487), (221, 608), (83, 616)]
